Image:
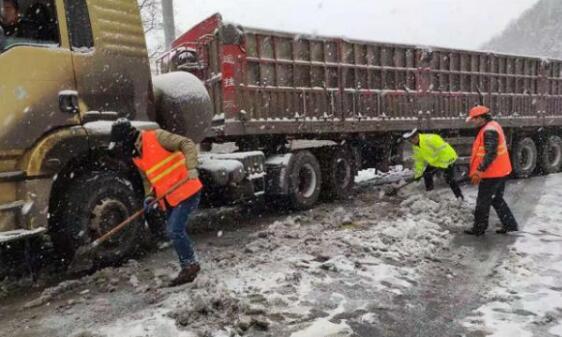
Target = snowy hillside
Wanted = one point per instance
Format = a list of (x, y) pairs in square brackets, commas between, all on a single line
[(538, 32)]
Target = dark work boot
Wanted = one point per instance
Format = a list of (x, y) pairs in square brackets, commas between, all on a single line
[(474, 232), (186, 275), (505, 230)]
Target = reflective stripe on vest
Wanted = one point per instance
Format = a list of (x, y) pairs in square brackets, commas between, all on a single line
[(501, 166), (164, 170), (176, 159)]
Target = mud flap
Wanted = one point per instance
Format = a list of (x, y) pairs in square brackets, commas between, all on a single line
[(277, 182)]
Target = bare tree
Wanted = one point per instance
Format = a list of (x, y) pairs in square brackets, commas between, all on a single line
[(159, 26), (151, 14)]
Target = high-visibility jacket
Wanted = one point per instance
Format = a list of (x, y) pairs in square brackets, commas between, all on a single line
[(164, 170), (432, 150), (501, 166)]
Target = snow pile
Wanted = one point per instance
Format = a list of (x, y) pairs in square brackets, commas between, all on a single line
[(104, 281), (395, 174), (51, 293), (324, 326), (527, 295), (212, 308), (299, 274), (423, 225)]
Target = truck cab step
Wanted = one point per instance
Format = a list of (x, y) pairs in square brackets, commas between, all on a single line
[(12, 206), (20, 234), (12, 176)]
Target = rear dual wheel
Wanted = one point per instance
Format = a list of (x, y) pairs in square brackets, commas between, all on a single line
[(333, 177), (550, 155), (524, 157), (338, 173)]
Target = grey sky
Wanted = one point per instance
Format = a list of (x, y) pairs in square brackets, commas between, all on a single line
[(448, 23)]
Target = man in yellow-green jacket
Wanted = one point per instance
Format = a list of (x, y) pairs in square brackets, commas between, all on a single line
[(431, 154)]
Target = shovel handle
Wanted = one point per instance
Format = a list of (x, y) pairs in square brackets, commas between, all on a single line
[(136, 215), (406, 184)]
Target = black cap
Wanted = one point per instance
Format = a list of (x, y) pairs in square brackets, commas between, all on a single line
[(121, 130)]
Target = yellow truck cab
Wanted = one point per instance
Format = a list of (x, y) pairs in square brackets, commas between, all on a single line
[(67, 70)]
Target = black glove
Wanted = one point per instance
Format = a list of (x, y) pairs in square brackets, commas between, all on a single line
[(150, 205)]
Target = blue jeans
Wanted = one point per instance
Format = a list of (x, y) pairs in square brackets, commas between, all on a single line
[(176, 228)]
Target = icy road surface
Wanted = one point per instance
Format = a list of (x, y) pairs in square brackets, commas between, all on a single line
[(370, 266)]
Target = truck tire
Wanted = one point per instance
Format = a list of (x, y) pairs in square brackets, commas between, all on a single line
[(305, 180), (550, 156), (92, 204), (338, 173), (524, 157)]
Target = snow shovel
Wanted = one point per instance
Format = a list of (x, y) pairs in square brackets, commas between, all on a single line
[(84, 257), (392, 191)]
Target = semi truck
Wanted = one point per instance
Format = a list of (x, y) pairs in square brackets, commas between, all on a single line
[(298, 114)]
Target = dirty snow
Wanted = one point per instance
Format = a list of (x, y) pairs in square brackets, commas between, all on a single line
[(557, 330), (300, 275), (395, 174)]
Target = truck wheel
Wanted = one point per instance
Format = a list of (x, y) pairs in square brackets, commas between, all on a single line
[(524, 157), (338, 174), (550, 157), (93, 204), (305, 180)]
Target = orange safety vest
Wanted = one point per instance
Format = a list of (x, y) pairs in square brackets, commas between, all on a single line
[(501, 166), (164, 170)]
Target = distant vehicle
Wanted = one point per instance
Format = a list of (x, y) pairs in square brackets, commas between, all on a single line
[(346, 102)]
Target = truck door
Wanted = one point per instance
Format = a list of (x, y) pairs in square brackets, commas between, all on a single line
[(109, 57), (36, 76)]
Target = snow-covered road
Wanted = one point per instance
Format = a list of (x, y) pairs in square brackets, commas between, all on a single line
[(525, 298), (370, 266)]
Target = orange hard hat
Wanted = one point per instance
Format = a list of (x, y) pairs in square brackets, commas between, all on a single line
[(478, 110)]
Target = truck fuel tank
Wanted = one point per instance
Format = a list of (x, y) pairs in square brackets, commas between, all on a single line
[(183, 105)]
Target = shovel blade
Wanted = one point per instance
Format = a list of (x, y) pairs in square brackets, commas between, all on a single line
[(83, 260)]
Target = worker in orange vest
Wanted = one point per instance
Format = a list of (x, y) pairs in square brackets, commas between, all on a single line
[(489, 168), (167, 159)]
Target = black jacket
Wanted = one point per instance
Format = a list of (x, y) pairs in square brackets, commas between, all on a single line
[(33, 28), (22, 28), (491, 140)]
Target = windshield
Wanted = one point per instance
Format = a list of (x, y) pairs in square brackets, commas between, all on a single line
[(28, 23)]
